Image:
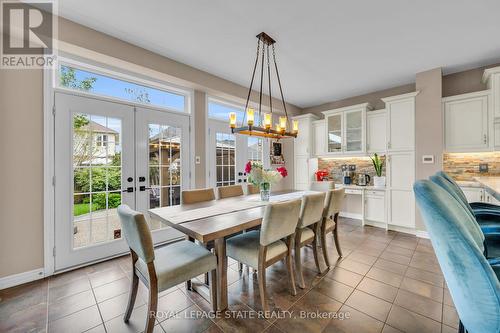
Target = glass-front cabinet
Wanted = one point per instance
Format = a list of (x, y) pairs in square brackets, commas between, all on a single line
[(345, 130)]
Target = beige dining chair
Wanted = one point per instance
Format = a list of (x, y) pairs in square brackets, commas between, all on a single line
[(229, 191), (322, 186), (162, 268), (199, 195), (262, 248), (310, 218), (252, 189), (333, 204)]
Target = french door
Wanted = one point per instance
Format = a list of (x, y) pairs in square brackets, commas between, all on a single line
[(107, 154), (228, 154)]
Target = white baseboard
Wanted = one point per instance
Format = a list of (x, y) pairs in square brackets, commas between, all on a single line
[(421, 234), (24, 277), (351, 215)]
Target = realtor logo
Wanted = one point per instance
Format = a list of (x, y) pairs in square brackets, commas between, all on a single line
[(28, 34)]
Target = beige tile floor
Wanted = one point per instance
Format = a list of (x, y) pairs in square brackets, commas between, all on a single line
[(386, 282)]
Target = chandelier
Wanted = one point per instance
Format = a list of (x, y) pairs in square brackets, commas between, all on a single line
[(264, 126)]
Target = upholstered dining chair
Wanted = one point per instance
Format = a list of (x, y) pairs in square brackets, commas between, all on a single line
[(322, 186), (229, 191), (331, 210), (198, 195), (473, 284), (162, 268), (311, 214), (262, 248), (252, 189)]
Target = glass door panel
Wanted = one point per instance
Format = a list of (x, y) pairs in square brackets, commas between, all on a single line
[(354, 130), (334, 129)]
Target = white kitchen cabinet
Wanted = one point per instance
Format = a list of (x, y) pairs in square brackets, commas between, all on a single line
[(319, 135), (304, 163), (374, 209), (401, 208), (303, 143), (491, 77), (400, 179), (345, 130), (466, 122), (400, 168), (497, 134), (400, 122), (376, 137), (488, 198), (473, 194)]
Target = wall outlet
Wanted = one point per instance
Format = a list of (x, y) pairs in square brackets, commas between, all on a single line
[(197, 160), (483, 167)]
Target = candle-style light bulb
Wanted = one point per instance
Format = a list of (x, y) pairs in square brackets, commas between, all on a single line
[(232, 119), (295, 126), (250, 116), (283, 123), (278, 128), (267, 121)]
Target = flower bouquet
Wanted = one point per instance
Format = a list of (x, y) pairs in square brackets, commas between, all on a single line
[(264, 178)]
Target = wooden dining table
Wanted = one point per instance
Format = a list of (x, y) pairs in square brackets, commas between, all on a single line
[(217, 220)]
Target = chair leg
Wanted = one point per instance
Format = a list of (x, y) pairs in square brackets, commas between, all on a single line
[(262, 287), (336, 235), (152, 307), (207, 278), (323, 245), (291, 273), (461, 328), (315, 250), (298, 263), (213, 289), (131, 297)]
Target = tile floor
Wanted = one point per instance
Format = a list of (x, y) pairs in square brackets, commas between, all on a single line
[(386, 282)]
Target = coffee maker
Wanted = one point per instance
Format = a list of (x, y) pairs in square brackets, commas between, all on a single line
[(347, 173)]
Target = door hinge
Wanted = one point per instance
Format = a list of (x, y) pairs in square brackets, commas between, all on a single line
[(54, 251), (53, 180)]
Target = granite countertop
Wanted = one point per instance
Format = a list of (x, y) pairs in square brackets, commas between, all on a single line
[(491, 185), (357, 187)]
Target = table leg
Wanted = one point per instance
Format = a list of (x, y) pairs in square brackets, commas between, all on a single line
[(220, 252)]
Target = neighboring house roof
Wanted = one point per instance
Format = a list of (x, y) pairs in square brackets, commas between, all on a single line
[(97, 128)]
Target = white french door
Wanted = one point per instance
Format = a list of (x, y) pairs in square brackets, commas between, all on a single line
[(228, 154), (106, 154)]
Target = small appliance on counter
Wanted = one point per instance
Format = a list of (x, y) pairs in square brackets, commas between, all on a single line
[(321, 175), (347, 173), (363, 179)]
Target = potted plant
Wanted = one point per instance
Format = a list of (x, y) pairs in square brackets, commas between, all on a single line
[(264, 178), (378, 180)]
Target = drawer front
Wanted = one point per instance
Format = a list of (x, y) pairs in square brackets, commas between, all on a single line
[(375, 193)]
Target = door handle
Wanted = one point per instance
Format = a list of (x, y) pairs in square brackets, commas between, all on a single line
[(128, 190), (144, 188)]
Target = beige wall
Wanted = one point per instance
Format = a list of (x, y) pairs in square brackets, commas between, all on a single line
[(373, 98), (428, 127), (200, 130), (21, 167), (465, 82)]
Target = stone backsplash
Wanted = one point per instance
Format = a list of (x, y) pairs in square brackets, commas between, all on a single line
[(363, 166), (465, 166)]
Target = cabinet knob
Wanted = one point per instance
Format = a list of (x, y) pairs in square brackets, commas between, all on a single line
[(485, 139)]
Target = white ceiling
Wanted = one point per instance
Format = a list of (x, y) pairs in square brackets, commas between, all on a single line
[(327, 49)]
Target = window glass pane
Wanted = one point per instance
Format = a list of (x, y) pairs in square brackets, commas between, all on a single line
[(255, 149), (221, 111), (78, 79)]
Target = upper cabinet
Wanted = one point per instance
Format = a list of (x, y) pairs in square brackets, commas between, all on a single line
[(400, 122), (466, 122), (491, 77), (345, 130), (319, 137), (376, 137), (303, 143)]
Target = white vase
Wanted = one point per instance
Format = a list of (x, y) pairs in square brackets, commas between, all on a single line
[(379, 181)]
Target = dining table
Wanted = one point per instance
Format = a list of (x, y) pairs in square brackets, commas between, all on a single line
[(215, 221)]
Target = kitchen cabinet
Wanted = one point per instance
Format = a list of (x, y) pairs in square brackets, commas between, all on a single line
[(376, 131), (345, 130), (304, 163), (466, 122), (473, 194), (497, 134), (491, 77), (319, 135), (374, 209), (490, 199), (400, 179), (400, 122)]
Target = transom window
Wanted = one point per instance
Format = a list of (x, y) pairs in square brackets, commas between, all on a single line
[(220, 111), (83, 80)]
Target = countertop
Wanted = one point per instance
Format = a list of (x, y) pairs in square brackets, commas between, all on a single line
[(357, 187), (491, 185)]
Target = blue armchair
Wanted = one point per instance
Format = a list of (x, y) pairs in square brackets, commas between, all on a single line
[(474, 284)]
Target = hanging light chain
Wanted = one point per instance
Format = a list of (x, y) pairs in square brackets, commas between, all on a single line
[(279, 84), (251, 81), (269, 80)]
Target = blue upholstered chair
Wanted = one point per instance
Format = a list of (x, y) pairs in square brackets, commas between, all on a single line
[(474, 284)]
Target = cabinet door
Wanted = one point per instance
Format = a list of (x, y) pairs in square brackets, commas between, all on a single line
[(334, 133), (402, 208), (354, 131), (401, 170), (491, 199), (473, 194), (401, 125), (301, 173), (319, 137), (375, 207), (302, 142), (497, 134), (376, 132), (466, 124)]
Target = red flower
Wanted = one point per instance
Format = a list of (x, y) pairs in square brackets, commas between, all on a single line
[(282, 171), (248, 167)]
